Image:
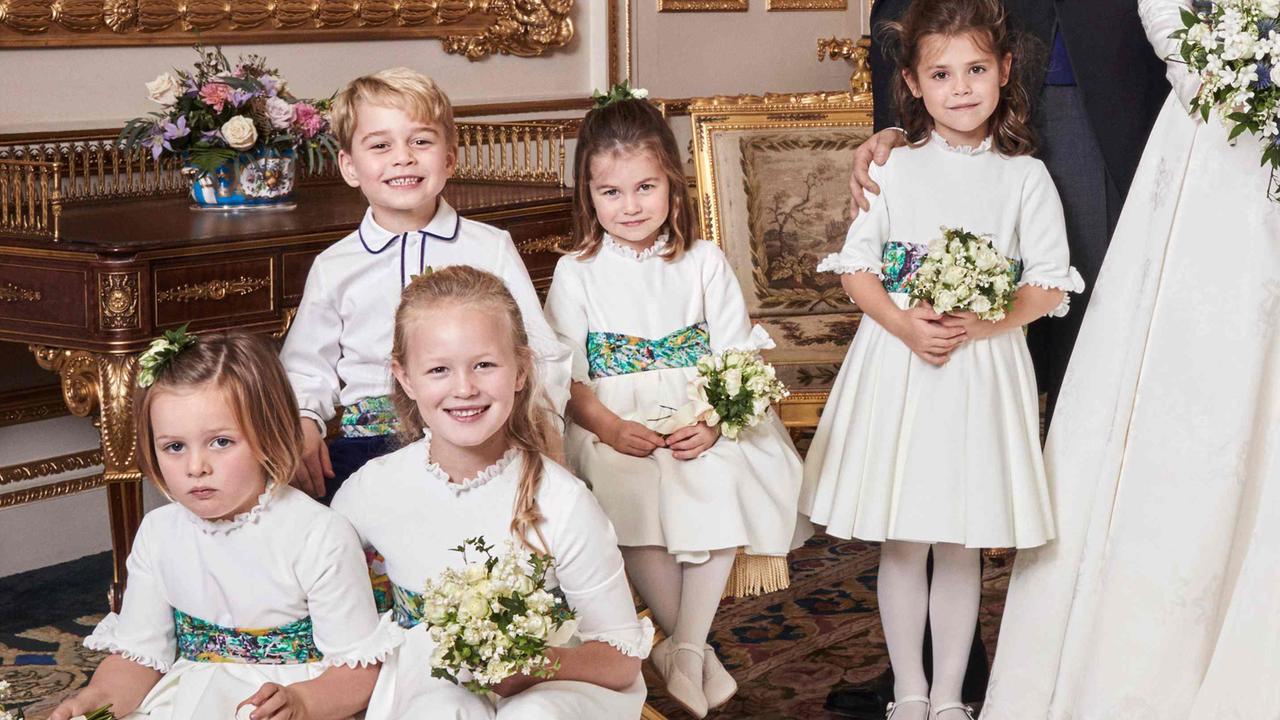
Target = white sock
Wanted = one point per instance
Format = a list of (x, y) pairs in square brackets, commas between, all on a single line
[(657, 576), (953, 615), (902, 591), (700, 594)]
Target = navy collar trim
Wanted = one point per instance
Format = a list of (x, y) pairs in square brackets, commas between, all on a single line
[(424, 233)]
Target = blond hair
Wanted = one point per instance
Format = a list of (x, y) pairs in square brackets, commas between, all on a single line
[(248, 370), (528, 427), (400, 88)]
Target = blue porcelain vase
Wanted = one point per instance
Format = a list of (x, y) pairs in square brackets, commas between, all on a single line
[(258, 179)]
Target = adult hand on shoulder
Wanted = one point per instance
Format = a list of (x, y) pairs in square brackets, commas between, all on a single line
[(691, 441), (632, 438), (82, 703), (273, 702), (974, 327), (315, 465), (876, 148), (923, 332)]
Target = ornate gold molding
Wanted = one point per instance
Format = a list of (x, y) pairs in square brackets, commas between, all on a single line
[(118, 301), (772, 5), (49, 466), (474, 28), (52, 490), (21, 406), (857, 52), (12, 293), (105, 382), (213, 290), (546, 243), (702, 5)]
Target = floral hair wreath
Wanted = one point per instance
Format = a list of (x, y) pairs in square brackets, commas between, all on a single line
[(617, 93), (161, 352)]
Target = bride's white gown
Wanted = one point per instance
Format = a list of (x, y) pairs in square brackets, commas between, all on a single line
[(1160, 599)]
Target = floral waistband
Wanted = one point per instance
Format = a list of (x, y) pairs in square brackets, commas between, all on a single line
[(201, 641), (371, 417), (407, 606), (900, 261), (618, 354)]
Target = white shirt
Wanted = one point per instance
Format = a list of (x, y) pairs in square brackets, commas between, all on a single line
[(339, 347)]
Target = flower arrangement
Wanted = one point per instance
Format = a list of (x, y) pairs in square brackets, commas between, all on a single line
[(618, 92), (1234, 48), (738, 386), (160, 353), (493, 618), (102, 713), (212, 115), (963, 272)]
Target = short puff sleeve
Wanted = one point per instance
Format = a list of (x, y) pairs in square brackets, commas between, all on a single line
[(566, 312), (864, 243), (1042, 240), (143, 629)]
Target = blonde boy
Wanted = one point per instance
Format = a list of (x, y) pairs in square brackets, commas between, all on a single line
[(399, 147)]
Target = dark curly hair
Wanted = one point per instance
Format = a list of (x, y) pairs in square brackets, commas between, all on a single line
[(1009, 126)]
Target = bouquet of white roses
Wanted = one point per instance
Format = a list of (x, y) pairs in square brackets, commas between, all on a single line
[(1234, 48), (738, 386), (963, 272), (493, 618)]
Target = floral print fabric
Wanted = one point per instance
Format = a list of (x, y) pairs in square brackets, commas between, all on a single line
[(201, 641), (900, 261), (371, 417), (618, 354)]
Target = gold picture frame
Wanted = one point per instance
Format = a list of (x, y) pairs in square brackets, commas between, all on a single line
[(702, 5), (775, 5)]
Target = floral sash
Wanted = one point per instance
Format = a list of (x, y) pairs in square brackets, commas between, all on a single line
[(406, 606), (618, 354), (201, 641), (371, 417)]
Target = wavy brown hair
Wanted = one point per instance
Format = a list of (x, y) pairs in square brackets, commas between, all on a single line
[(248, 371), (1009, 126), (529, 426), (628, 126)]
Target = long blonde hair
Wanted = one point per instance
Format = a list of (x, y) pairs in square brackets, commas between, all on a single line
[(528, 427)]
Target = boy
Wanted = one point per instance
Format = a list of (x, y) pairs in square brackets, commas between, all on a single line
[(399, 146)]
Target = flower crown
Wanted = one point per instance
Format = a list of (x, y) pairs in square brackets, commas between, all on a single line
[(617, 93), (160, 353)]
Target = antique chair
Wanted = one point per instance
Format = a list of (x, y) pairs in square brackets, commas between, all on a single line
[(773, 193)]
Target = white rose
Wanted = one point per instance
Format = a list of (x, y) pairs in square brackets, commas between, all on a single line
[(946, 300), (639, 93), (475, 573), (732, 381), (240, 133), (980, 304), (280, 113), (473, 605), (522, 584), (536, 626), (164, 89), (953, 275)]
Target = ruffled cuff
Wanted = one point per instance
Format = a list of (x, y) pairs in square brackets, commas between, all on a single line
[(758, 340), (375, 648), (841, 263), (104, 639), (634, 641), (1073, 283)]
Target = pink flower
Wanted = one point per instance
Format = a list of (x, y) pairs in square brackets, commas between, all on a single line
[(308, 118), (215, 95)]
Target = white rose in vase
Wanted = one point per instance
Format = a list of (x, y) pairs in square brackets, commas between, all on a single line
[(240, 133), (164, 89)]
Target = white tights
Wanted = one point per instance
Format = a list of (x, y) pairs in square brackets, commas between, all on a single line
[(951, 606), (683, 597)]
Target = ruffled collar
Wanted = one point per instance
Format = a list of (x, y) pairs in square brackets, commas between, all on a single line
[(978, 149), (627, 251), (480, 478), (250, 516)]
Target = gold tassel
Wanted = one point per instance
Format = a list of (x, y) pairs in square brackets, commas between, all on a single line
[(757, 575)]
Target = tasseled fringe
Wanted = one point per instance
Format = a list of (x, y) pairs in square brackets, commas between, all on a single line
[(757, 575)]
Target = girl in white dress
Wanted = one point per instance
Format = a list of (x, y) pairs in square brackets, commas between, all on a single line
[(463, 367), (638, 302), (246, 598), (930, 439)]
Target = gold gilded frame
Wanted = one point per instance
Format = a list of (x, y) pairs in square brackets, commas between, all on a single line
[(702, 5), (473, 28), (773, 5), (720, 114)]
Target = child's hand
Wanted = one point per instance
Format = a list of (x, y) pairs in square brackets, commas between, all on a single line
[(691, 441), (923, 332), (632, 438), (273, 702), (315, 465), (514, 684), (974, 327), (86, 701)]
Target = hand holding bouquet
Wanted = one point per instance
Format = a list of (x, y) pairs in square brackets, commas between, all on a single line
[(963, 272), (737, 386), (493, 618)]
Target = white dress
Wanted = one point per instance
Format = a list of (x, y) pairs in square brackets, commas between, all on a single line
[(404, 506), (739, 493), (286, 560), (1161, 597), (909, 451)]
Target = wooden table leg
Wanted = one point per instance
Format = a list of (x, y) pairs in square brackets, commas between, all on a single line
[(105, 382)]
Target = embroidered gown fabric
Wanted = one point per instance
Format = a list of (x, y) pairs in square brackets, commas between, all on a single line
[(1160, 600), (636, 324), (909, 451), (405, 506), (277, 594)]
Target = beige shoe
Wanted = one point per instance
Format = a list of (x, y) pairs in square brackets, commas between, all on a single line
[(964, 710), (681, 688), (892, 708), (717, 684)]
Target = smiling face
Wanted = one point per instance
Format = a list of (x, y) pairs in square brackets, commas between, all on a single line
[(208, 463), (400, 164), (959, 80), (462, 371), (631, 195)]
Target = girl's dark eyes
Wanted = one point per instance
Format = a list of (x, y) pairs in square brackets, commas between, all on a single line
[(939, 76), (173, 447), (222, 442), (438, 370), (647, 186), (486, 364), (977, 69), (609, 193)]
